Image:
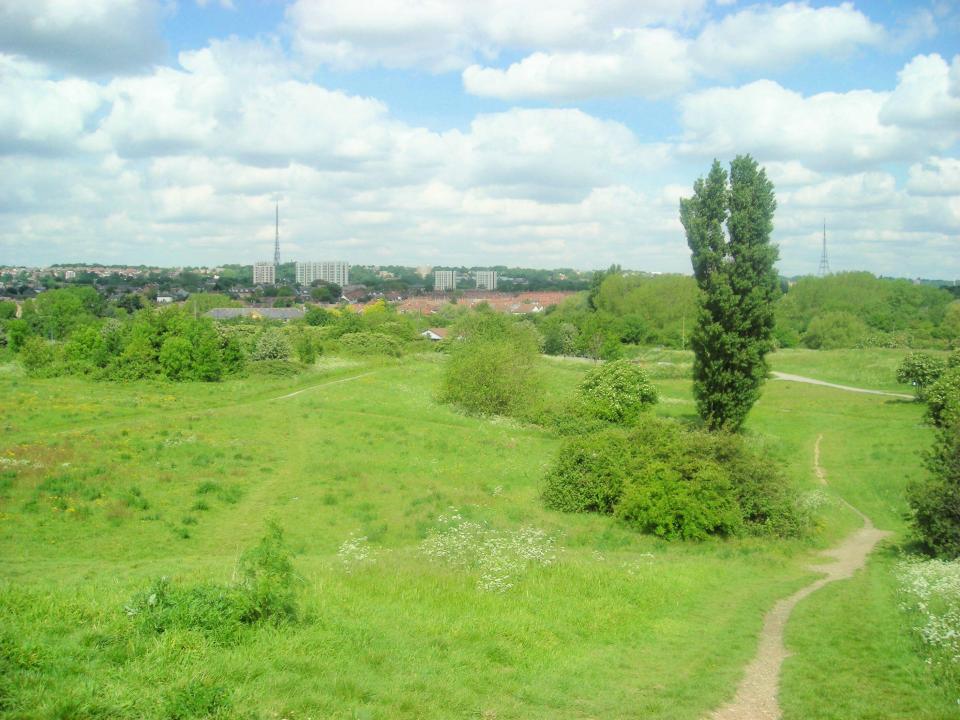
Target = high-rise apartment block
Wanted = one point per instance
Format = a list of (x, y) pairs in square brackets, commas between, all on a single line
[(264, 273), (444, 280), (337, 273), (486, 279)]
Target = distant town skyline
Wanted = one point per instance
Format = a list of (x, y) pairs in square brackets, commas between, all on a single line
[(542, 134)]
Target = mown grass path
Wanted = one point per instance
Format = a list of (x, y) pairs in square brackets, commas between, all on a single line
[(757, 694), (847, 388)]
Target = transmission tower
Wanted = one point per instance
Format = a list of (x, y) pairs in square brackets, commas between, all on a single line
[(824, 263), (276, 242)]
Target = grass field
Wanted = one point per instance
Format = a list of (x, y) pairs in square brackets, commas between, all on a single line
[(106, 488)]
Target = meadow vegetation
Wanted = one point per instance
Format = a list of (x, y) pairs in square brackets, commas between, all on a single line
[(362, 526)]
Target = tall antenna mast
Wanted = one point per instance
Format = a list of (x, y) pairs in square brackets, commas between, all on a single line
[(824, 263), (276, 242)]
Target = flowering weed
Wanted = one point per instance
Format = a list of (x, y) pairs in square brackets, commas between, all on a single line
[(930, 592), (498, 555)]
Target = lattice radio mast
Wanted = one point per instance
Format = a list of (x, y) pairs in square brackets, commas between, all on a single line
[(824, 263)]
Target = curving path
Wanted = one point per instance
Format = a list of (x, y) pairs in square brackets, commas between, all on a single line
[(756, 697), (811, 381)]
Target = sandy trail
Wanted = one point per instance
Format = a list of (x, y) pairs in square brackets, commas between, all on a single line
[(822, 383), (756, 697)]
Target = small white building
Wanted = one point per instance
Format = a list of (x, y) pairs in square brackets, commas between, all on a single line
[(164, 299)]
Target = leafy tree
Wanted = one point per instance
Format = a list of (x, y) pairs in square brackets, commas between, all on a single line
[(325, 292), (318, 316), (37, 356), (8, 310), (176, 360), (943, 399), (835, 329), (56, 313), (17, 333), (305, 348), (935, 502), (920, 370), (492, 369), (738, 285)]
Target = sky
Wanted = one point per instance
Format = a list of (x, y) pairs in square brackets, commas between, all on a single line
[(543, 133)]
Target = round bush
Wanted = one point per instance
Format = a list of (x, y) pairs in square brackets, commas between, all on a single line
[(589, 473), (920, 370), (271, 345), (370, 343), (492, 370), (661, 478), (943, 399), (617, 391)]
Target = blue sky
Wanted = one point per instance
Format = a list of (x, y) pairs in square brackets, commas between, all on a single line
[(557, 133)]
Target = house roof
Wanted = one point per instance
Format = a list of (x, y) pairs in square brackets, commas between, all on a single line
[(268, 313)]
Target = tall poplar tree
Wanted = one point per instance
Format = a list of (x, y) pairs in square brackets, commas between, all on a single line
[(728, 226)]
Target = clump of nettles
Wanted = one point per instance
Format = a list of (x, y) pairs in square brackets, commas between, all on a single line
[(662, 478), (498, 556), (262, 591), (930, 593)]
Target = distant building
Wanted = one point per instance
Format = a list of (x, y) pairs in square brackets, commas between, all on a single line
[(337, 273), (164, 299), (255, 313), (486, 279), (444, 280), (264, 273), (434, 334), (70, 275)]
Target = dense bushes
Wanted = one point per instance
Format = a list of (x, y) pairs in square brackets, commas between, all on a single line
[(662, 478), (365, 344), (492, 368), (263, 592), (855, 308), (935, 502), (920, 370), (617, 392)]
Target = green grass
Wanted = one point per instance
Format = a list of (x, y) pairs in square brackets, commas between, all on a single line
[(117, 485), (874, 369)]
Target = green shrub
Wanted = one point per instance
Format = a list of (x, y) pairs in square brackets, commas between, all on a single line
[(662, 478), (39, 357), (267, 579), (306, 348), (833, 330), (920, 370), (175, 359), (935, 502), (271, 345), (688, 503), (492, 370), (943, 398), (616, 391), (589, 473), (370, 343), (274, 368), (264, 592)]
